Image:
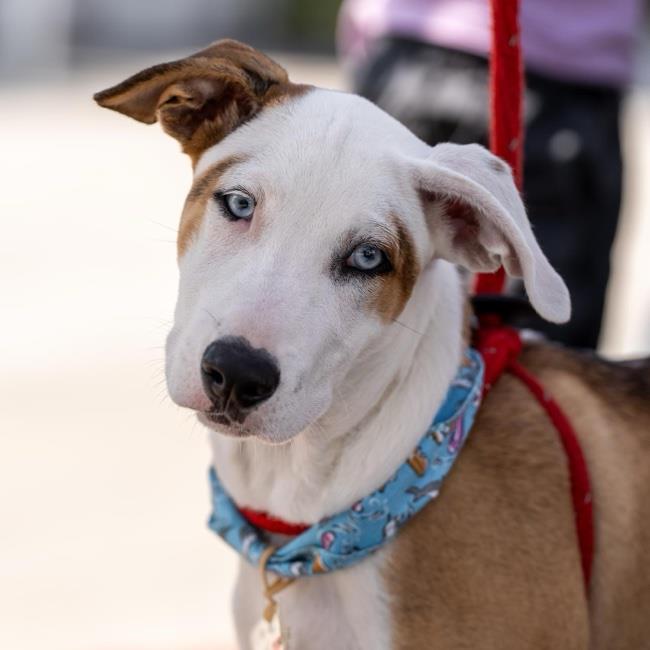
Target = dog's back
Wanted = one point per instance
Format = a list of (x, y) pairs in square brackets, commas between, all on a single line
[(501, 546)]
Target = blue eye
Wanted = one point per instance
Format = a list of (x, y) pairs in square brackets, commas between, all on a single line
[(367, 257), (238, 205)]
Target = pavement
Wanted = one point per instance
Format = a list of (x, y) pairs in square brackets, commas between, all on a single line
[(102, 480)]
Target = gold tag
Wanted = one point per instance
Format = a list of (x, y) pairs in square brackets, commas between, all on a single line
[(267, 635)]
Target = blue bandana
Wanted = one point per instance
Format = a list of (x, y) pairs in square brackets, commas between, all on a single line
[(349, 536)]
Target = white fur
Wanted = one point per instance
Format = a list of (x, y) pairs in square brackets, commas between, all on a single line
[(347, 610), (333, 463), (356, 393)]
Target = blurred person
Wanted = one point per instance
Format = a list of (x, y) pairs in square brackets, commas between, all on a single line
[(425, 62)]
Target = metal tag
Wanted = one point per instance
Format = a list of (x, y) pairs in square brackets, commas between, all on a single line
[(268, 635)]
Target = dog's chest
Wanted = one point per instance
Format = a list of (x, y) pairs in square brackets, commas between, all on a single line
[(347, 610)]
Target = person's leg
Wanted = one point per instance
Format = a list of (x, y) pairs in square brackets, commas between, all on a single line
[(572, 189)]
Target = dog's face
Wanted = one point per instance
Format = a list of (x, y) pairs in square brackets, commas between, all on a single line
[(304, 244), (311, 216)]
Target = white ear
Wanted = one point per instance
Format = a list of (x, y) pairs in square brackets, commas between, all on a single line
[(477, 220)]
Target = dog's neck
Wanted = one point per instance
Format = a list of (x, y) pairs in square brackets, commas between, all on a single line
[(382, 410)]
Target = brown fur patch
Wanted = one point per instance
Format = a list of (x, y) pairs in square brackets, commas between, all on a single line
[(197, 200), (395, 288), (231, 115), (199, 100), (284, 92), (494, 563)]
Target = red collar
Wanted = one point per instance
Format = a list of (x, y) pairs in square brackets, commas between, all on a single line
[(266, 522)]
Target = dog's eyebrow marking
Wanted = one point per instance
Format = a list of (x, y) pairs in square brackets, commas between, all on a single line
[(197, 199), (395, 288), (276, 96)]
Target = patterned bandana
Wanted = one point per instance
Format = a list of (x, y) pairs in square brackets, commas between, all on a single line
[(349, 536)]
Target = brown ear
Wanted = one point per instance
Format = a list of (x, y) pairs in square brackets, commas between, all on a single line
[(202, 98)]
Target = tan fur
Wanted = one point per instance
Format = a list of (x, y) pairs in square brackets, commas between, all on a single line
[(395, 288), (477, 567), (199, 100), (609, 406), (197, 199)]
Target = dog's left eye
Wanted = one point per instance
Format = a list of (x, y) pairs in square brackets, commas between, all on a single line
[(237, 205), (368, 258)]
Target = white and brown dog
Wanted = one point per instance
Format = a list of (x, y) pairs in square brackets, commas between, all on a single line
[(319, 250)]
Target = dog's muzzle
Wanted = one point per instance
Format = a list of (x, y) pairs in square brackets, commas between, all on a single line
[(237, 378)]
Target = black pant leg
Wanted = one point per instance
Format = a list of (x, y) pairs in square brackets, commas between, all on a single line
[(572, 190)]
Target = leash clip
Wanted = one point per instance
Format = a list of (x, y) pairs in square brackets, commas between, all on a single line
[(271, 588), (268, 633)]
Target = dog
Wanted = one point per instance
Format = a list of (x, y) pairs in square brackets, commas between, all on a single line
[(322, 314)]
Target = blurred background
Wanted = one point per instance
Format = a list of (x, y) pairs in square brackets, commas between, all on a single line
[(103, 484)]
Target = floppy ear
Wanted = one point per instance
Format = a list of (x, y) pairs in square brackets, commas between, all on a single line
[(477, 220), (202, 98)]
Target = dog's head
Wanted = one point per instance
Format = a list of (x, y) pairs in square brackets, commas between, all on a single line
[(310, 220)]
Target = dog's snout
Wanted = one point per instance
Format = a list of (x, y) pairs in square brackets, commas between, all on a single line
[(236, 374)]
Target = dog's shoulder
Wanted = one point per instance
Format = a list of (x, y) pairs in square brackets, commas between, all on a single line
[(506, 511), (500, 525)]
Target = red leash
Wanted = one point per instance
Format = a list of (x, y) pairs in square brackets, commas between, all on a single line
[(578, 471), (506, 93), (500, 345)]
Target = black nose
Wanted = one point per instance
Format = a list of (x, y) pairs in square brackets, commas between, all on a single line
[(237, 376)]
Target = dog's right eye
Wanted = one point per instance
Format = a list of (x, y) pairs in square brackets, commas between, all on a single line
[(236, 204), (368, 259)]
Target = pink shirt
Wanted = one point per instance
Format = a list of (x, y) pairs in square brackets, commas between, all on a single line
[(574, 40)]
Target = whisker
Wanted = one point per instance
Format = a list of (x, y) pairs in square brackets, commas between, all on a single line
[(212, 316), (163, 225), (405, 326)]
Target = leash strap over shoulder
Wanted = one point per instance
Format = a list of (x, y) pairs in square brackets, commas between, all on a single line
[(500, 347), (578, 472)]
